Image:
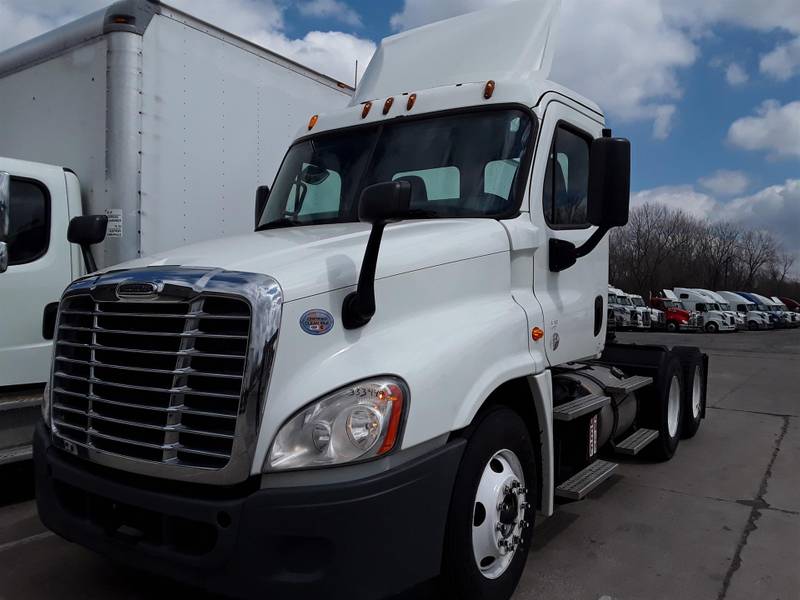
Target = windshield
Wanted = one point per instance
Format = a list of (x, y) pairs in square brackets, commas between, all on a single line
[(465, 165), (624, 301), (725, 306), (671, 304), (612, 299), (751, 307), (638, 301), (714, 307)]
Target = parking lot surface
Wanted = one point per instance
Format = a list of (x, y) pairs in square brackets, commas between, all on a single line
[(721, 521)]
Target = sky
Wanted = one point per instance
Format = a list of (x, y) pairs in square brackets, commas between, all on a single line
[(708, 91)]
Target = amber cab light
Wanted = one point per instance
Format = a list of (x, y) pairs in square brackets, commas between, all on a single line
[(488, 91), (366, 109), (313, 122), (388, 105), (412, 100)]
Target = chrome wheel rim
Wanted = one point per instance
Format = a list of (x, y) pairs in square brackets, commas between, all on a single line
[(673, 406), (697, 393), (498, 515)]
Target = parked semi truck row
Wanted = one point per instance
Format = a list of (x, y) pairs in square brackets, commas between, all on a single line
[(403, 364), (142, 115)]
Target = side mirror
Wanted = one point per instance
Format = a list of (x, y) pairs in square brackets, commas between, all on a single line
[(380, 204), (262, 195), (5, 206), (86, 231), (609, 182), (609, 198)]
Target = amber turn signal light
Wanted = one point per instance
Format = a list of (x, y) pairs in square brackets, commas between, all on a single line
[(366, 109), (488, 91), (313, 122), (537, 334)]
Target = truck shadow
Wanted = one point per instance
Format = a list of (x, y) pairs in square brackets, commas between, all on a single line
[(16, 483)]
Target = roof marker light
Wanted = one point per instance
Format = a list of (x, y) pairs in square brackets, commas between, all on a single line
[(313, 122), (388, 106), (366, 109), (412, 100), (488, 91)]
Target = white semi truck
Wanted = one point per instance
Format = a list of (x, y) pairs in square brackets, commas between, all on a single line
[(397, 370), (149, 118), (712, 318)]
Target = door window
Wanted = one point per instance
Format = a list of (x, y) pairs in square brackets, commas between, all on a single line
[(566, 184), (29, 221)]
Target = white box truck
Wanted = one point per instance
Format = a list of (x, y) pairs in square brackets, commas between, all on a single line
[(144, 114), (397, 370)]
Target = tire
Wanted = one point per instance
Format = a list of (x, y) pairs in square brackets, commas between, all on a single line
[(695, 388), (753, 326), (499, 437), (712, 328), (670, 407), (672, 327)]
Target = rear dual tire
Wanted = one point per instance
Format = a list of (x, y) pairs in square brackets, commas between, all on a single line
[(670, 395)]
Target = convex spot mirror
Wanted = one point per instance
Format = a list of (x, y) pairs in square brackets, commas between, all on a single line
[(609, 182), (5, 204)]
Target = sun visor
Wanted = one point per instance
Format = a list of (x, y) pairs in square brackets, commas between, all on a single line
[(514, 41)]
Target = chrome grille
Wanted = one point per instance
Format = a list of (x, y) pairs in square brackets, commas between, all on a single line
[(151, 380)]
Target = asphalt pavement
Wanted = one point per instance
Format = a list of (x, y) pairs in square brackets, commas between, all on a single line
[(721, 521)]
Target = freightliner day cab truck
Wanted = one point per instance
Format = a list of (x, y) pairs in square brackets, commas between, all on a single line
[(146, 115), (397, 371)]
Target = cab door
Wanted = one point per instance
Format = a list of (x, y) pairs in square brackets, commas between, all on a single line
[(574, 301), (39, 268)]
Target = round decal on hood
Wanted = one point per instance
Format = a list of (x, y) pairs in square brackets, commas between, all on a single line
[(317, 322)]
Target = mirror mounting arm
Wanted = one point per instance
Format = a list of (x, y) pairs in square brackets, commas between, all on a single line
[(359, 306), (564, 255)]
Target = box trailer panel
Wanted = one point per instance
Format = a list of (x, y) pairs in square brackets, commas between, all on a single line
[(54, 112), (217, 115)]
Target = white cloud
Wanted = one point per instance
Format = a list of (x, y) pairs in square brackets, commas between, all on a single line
[(735, 74), (332, 9), (680, 197), (726, 183), (783, 62), (261, 21), (662, 121), (762, 16), (775, 209), (775, 128)]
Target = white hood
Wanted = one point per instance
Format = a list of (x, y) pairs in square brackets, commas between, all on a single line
[(312, 260)]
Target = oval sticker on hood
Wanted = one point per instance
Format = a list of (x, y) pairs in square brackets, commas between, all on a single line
[(317, 322)]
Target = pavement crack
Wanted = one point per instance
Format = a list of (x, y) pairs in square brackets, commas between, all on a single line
[(757, 506), (753, 412)]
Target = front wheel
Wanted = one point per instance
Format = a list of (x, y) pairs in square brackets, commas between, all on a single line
[(672, 327), (489, 527), (712, 328)]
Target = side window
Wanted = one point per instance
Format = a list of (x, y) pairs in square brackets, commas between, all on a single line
[(319, 194), (701, 307), (566, 184), (430, 185), (29, 222), (741, 308)]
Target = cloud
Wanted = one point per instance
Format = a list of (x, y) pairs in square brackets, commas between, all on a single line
[(260, 21), (774, 128), (735, 74), (332, 9), (726, 183), (678, 197), (783, 62), (775, 209)]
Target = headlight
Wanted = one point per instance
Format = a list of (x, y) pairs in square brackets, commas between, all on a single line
[(46, 403), (356, 423)]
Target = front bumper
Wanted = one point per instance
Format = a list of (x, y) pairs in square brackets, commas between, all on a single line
[(364, 539)]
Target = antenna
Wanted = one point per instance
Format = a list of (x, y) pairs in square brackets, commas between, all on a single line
[(355, 81)]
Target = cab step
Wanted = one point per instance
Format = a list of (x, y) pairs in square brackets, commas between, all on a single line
[(628, 385), (583, 482), (18, 454), (636, 442), (580, 406)]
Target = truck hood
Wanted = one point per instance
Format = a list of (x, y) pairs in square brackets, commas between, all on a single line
[(312, 260)]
